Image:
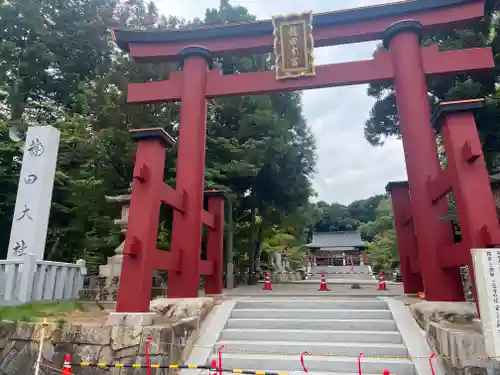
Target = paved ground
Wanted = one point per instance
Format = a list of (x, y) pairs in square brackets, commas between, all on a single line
[(312, 290)]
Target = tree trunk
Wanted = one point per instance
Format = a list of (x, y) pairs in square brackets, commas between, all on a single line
[(257, 246), (253, 239)]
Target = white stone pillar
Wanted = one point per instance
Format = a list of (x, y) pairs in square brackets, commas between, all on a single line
[(34, 193)]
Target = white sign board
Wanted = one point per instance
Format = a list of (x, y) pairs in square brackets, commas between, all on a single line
[(487, 272), (34, 194)]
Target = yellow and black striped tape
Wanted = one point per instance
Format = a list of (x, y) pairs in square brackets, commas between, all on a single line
[(137, 365), (157, 366)]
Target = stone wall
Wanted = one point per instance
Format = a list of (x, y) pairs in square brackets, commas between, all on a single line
[(173, 332), (453, 330)]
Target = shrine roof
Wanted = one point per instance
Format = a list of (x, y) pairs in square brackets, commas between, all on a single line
[(348, 240), (320, 20)]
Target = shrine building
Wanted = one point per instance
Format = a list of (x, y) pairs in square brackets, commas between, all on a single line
[(336, 248)]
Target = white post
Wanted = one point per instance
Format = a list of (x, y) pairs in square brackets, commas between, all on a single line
[(487, 270), (343, 259), (27, 277), (79, 278), (34, 193)]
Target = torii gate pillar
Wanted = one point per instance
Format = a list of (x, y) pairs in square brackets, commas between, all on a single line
[(403, 39), (190, 178)]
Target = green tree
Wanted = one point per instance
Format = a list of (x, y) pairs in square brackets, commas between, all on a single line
[(384, 121), (9, 172), (48, 48), (259, 148), (381, 236), (334, 217), (365, 210)]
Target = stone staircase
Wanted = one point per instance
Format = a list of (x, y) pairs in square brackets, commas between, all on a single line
[(342, 272), (269, 335)]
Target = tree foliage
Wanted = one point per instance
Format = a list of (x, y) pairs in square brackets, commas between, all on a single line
[(59, 66), (337, 217), (381, 236), (383, 121)]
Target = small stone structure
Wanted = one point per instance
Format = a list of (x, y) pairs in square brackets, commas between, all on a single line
[(112, 270), (173, 332), (453, 330)]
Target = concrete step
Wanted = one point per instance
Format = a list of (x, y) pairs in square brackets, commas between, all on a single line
[(314, 363), (343, 269), (368, 283), (393, 337), (343, 274), (322, 304), (313, 293), (280, 372), (339, 277), (311, 314), (350, 349), (328, 324)]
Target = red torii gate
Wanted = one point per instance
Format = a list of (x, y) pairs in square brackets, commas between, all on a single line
[(467, 177), (405, 61)]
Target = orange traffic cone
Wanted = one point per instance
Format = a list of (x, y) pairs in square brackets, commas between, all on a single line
[(66, 370), (213, 366), (267, 283), (382, 284), (322, 284)]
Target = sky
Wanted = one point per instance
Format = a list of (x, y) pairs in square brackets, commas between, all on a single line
[(348, 167)]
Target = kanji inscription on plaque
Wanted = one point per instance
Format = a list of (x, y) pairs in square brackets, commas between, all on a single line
[(293, 46)]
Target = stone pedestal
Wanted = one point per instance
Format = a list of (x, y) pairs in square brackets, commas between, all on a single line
[(131, 319), (113, 269), (453, 330), (230, 276)]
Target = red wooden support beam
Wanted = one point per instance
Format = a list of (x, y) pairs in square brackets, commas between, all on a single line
[(135, 247), (208, 220), (490, 236), (455, 255), (206, 267), (156, 91), (335, 34), (215, 242), (415, 266), (471, 151), (165, 260), (140, 242), (351, 73), (439, 186), (469, 176), (456, 61), (406, 216), (173, 198), (405, 235), (331, 75), (141, 174)]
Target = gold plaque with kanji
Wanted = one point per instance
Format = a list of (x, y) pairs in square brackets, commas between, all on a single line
[(293, 45)]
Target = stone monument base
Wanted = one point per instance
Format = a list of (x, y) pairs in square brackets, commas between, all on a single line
[(454, 331), (131, 319)]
